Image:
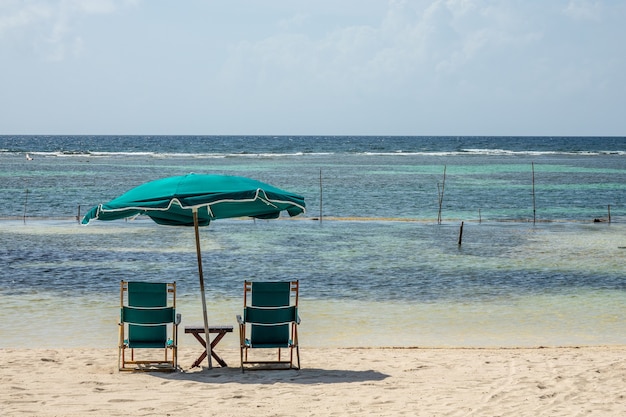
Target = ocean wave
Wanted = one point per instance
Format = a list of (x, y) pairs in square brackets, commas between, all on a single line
[(536, 153), (277, 154), (261, 155), (493, 152), (163, 155)]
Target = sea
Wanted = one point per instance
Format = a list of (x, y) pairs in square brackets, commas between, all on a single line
[(406, 241)]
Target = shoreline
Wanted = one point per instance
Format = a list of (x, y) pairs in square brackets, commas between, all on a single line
[(368, 381), (600, 219)]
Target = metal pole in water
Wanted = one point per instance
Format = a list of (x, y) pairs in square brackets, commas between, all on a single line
[(461, 234), (534, 209)]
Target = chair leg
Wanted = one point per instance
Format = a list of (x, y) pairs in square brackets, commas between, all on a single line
[(120, 346), (298, 355)]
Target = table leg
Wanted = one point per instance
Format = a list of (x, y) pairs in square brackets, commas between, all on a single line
[(214, 342)]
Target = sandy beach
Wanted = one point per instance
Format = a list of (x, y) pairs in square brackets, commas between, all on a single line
[(565, 381)]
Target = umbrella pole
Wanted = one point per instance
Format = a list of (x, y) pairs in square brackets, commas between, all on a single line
[(201, 277)]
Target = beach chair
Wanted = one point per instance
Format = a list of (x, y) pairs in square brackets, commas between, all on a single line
[(147, 311), (270, 321)]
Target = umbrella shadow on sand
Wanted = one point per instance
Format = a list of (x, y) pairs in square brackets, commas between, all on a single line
[(303, 376)]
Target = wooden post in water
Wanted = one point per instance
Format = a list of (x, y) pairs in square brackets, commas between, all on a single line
[(480, 218), (609, 213), (534, 208), (78, 215), (25, 204), (439, 203), (441, 191), (461, 234), (321, 196)]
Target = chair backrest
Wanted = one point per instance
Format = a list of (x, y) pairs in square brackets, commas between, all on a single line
[(270, 311), (147, 312)]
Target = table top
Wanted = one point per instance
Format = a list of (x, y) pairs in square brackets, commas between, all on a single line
[(212, 329)]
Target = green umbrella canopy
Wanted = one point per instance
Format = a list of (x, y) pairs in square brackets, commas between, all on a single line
[(171, 201)]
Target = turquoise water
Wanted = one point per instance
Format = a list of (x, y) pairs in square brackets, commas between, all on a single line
[(363, 282), (377, 271), (575, 178)]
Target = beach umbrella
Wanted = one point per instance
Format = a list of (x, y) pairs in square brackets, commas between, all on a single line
[(195, 200)]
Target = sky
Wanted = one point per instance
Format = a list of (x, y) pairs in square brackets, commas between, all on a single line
[(323, 67)]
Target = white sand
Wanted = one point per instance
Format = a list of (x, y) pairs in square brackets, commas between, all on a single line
[(588, 381)]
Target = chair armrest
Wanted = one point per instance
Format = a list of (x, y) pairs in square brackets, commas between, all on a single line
[(179, 318), (240, 319)]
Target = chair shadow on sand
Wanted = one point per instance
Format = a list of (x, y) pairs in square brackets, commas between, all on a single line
[(267, 376)]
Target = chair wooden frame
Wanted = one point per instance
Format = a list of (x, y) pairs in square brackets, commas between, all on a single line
[(279, 320), (148, 321)]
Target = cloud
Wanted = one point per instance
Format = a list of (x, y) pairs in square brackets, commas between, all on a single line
[(418, 60), (48, 28), (298, 66), (410, 45), (584, 10), (16, 14), (293, 22)]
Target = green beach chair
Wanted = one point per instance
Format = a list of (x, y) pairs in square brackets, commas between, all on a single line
[(147, 310), (270, 321)]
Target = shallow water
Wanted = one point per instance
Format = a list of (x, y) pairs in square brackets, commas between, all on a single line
[(363, 283)]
